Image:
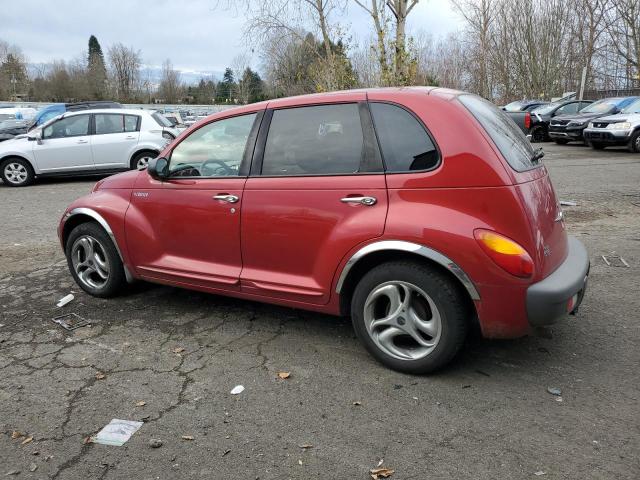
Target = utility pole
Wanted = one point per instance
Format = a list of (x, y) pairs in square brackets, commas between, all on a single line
[(582, 82)]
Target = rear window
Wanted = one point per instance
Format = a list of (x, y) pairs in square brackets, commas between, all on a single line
[(161, 120), (509, 139)]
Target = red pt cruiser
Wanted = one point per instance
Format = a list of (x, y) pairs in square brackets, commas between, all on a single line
[(417, 211)]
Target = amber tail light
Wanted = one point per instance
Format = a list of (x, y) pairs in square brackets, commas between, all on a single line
[(506, 253)]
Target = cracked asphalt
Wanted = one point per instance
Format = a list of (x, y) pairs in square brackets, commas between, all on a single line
[(487, 416)]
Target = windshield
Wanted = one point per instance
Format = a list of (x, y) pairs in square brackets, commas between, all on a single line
[(633, 107), (546, 109), (509, 139), (603, 106), (514, 106), (161, 120)]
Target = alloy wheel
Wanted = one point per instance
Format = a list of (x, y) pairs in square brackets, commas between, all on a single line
[(89, 261), (402, 320), (16, 173), (143, 162)]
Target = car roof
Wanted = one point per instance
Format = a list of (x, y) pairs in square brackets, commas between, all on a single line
[(129, 111)]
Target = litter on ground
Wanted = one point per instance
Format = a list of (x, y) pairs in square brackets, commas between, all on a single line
[(64, 300), (237, 389), (117, 432), (70, 321)]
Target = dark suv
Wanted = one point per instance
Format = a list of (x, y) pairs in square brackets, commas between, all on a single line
[(541, 116), (569, 128)]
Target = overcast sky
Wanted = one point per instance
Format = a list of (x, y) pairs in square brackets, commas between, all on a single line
[(197, 35)]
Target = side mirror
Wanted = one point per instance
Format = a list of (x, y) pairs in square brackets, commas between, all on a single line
[(158, 168), (35, 136), (615, 111)]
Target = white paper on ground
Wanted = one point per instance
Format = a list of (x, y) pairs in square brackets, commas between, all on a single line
[(237, 389), (64, 300), (117, 432)]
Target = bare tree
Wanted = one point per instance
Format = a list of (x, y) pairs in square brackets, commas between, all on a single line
[(624, 32), (170, 88), (125, 68)]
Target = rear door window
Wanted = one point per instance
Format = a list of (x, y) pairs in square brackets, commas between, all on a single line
[(317, 140), (405, 144), (509, 139), (109, 123)]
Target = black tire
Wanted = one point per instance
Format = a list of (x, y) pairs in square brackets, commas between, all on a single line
[(561, 141), (538, 134), (16, 172), (442, 291), (116, 278), (634, 142), (596, 145), (136, 163)]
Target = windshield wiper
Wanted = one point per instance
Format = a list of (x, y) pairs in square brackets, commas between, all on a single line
[(537, 155)]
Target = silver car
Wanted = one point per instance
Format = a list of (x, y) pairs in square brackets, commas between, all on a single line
[(621, 129)]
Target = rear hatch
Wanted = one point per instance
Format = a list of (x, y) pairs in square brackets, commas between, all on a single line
[(531, 180)]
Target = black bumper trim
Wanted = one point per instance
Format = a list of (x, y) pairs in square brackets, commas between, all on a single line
[(547, 299)]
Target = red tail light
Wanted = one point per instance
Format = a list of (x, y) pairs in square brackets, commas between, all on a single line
[(506, 253), (527, 120)]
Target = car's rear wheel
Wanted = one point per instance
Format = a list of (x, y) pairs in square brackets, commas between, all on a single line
[(409, 317), (141, 159), (538, 134), (17, 172), (561, 141), (94, 261), (596, 145), (634, 142)]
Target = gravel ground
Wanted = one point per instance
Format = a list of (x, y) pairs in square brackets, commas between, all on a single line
[(487, 416)]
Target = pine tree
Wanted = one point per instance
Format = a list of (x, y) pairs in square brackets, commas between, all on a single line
[(227, 87), (96, 70)]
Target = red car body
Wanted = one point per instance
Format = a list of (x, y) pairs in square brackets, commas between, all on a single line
[(291, 241)]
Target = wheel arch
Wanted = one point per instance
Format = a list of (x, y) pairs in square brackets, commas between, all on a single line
[(9, 156), (81, 215), (393, 250), (144, 149)]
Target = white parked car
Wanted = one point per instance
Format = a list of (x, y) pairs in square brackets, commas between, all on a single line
[(85, 142)]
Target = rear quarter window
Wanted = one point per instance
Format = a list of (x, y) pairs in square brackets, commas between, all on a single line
[(512, 143), (405, 144)]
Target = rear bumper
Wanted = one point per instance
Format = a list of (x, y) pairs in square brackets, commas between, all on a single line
[(562, 291)]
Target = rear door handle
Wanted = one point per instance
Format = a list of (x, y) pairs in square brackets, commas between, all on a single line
[(130, 137), (225, 197), (82, 140), (367, 201)]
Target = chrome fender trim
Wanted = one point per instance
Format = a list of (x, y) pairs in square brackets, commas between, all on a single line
[(103, 223), (400, 245)]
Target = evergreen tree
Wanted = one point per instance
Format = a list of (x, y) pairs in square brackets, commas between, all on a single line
[(227, 87), (96, 70)]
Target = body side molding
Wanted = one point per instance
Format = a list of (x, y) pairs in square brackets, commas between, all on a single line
[(400, 245)]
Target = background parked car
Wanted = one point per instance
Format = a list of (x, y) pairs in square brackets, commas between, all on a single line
[(569, 128), (542, 115), (84, 142), (520, 112), (47, 113), (11, 128), (17, 113), (620, 129)]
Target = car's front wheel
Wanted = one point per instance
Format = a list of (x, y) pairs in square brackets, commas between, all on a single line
[(410, 317), (94, 261), (16, 172)]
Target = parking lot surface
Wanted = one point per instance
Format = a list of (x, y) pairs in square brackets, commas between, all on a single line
[(170, 357)]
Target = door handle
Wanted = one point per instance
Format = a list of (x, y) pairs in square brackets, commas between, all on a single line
[(130, 137), (367, 201), (82, 141), (225, 197)]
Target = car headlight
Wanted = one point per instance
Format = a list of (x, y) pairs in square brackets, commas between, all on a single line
[(576, 124), (590, 125), (620, 126)]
